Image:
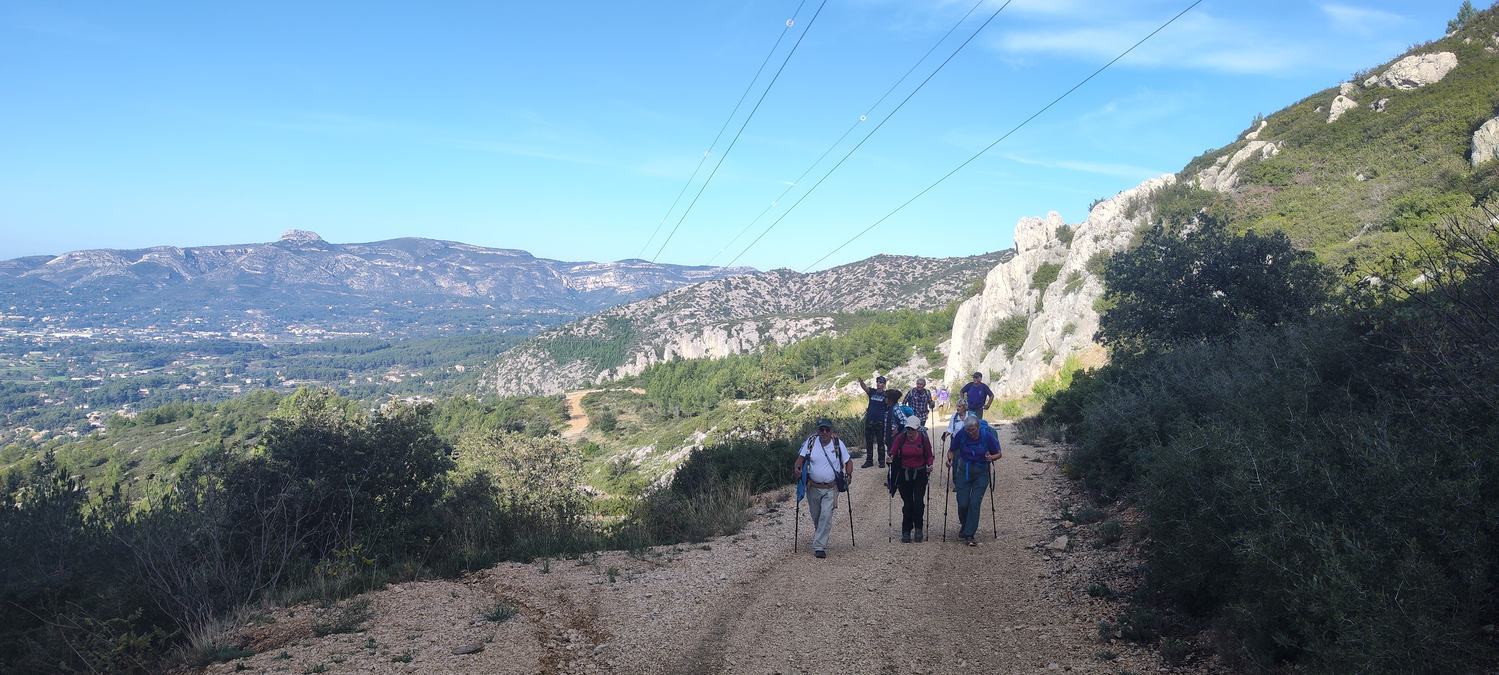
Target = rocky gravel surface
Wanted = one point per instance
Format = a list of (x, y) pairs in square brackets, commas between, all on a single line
[(748, 604)]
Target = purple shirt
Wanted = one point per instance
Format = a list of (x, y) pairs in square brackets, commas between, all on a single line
[(977, 393)]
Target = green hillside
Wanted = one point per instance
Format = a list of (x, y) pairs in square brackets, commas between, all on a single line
[(1372, 182)]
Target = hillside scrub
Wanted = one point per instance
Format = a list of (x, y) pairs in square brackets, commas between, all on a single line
[(1317, 481), (1009, 333), (331, 501), (873, 341)]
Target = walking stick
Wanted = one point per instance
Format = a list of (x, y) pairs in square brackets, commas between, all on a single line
[(946, 485), (850, 497), (992, 518), (889, 514), (796, 536), (926, 509)]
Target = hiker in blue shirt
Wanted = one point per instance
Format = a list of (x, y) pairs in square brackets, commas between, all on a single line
[(876, 421), (978, 394), (972, 451)]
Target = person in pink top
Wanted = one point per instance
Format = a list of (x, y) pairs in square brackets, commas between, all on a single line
[(910, 466)]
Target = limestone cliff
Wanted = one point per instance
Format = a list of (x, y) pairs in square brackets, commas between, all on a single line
[(1059, 316)]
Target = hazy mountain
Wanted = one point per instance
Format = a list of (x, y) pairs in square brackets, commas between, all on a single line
[(302, 282), (732, 316)]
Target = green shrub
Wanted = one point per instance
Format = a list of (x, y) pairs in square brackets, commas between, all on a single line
[(1009, 333), (1045, 274), (500, 612), (1064, 234), (1110, 532), (1074, 282)]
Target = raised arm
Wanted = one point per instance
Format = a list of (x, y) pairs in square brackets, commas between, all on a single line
[(863, 386)]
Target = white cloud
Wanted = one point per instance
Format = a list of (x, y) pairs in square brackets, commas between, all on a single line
[(1128, 171), (1197, 41), (1359, 20)]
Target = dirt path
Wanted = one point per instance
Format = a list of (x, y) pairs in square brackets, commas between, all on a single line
[(747, 604), (577, 418)]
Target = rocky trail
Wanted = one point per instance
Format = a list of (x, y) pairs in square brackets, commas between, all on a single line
[(748, 604)]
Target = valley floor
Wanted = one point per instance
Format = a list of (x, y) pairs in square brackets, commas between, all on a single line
[(747, 604)]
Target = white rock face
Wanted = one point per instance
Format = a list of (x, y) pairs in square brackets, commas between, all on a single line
[(1347, 89), (1380, 105), (1256, 133), (1340, 105), (1486, 142), (1224, 174), (1066, 323), (1414, 72)]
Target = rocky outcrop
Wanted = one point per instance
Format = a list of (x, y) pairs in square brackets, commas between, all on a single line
[(1060, 316), (1415, 71), (1341, 104), (1486, 142), (1380, 105), (1254, 135), (729, 316), (1223, 175)]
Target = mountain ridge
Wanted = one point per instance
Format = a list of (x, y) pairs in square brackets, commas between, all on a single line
[(300, 274)]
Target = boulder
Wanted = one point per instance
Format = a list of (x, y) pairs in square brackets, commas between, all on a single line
[(1380, 105), (1340, 105), (1486, 142), (1414, 72)]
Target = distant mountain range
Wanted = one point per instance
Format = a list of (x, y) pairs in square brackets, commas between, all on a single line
[(302, 283), (733, 315)]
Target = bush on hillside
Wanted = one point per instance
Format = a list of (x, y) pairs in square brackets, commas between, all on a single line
[(1009, 333), (1322, 490), (1206, 285), (1045, 274)]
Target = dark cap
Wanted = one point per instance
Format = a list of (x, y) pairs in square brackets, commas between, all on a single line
[(824, 422), (880, 378), (977, 374)]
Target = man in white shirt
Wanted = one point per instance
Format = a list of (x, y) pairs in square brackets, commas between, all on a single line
[(826, 459)]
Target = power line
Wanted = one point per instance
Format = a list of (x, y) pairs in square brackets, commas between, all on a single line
[(782, 36), (738, 133), (1007, 134), (860, 120), (867, 136)]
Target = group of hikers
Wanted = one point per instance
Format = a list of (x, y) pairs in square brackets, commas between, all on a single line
[(895, 435)]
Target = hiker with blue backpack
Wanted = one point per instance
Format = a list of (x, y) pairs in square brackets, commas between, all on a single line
[(969, 457)]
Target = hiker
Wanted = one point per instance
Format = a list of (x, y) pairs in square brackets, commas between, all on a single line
[(955, 423), (899, 413), (910, 467), (942, 397), (828, 463), (876, 414), (920, 400), (972, 450), (978, 394)]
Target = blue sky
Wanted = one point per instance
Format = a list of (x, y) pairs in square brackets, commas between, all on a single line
[(566, 129)]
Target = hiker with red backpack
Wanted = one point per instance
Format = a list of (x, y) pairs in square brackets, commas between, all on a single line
[(911, 461)]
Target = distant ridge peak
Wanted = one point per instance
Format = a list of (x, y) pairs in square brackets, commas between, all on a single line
[(300, 236)]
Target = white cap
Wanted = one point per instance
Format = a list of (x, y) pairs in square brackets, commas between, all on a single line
[(913, 423)]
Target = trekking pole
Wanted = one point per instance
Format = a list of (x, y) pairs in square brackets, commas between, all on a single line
[(796, 536), (889, 516), (850, 496), (946, 484), (993, 520)]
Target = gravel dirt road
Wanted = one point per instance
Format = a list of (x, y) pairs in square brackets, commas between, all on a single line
[(747, 604)]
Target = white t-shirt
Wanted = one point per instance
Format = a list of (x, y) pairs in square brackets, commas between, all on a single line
[(821, 458)]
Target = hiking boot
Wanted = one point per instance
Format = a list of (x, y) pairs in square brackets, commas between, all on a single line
[(920, 536), (820, 554), (905, 537), (867, 464), (972, 542), (882, 464)]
